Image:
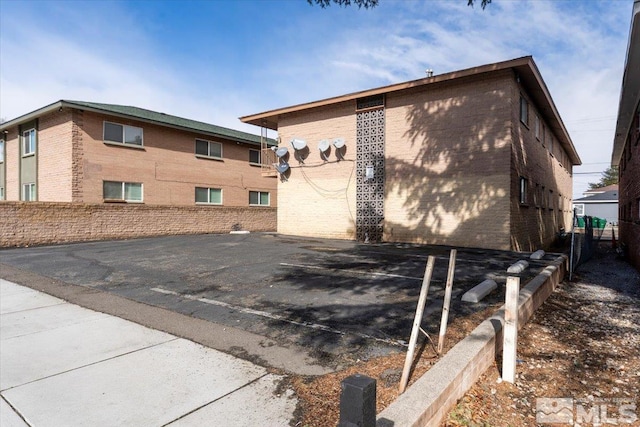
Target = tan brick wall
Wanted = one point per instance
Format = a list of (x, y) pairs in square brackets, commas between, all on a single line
[(166, 166), (55, 157), (629, 204), (39, 223), (535, 224), (443, 148), (12, 147), (447, 156), (320, 197)]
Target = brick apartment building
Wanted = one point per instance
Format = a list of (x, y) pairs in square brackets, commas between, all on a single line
[(472, 158), (92, 153), (626, 145)]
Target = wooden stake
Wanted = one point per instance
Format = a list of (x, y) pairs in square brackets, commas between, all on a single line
[(447, 299), (416, 323), (510, 331)]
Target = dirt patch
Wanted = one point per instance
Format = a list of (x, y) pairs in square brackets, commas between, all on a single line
[(319, 397), (583, 344)]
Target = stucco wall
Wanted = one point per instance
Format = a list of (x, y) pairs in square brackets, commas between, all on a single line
[(39, 223)]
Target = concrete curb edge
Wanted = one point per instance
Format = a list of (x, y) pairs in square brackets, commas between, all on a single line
[(430, 398)]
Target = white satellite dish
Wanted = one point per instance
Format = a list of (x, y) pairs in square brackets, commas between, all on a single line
[(338, 142), (323, 145), (281, 167), (298, 144), (281, 152)]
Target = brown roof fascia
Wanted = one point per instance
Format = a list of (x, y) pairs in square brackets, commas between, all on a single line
[(270, 118), (525, 68)]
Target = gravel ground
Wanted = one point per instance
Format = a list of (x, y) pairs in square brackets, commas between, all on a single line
[(582, 344)]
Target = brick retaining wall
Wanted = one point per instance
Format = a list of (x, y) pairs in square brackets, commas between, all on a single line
[(41, 223)]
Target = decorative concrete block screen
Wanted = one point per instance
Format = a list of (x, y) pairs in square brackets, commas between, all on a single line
[(370, 175)]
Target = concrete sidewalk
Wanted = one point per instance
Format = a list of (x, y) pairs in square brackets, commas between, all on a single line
[(64, 365)]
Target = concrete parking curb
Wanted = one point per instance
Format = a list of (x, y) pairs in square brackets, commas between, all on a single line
[(431, 397)]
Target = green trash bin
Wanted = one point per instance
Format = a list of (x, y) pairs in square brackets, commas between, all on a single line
[(581, 221), (602, 223)]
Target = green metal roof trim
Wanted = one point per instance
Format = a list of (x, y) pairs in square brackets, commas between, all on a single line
[(167, 119), (143, 115)]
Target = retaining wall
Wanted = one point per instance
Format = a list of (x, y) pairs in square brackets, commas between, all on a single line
[(428, 401), (42, 223)]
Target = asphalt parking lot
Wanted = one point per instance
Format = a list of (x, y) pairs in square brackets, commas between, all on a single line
[(331, 301)]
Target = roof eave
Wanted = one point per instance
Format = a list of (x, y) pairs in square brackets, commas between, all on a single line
[(32, 115), (70, 104), (270, 118), (630, 88), (524, 66)]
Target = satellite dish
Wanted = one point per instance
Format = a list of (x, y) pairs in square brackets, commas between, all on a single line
[(281, 167), (298, 144), (281, 152), (323, 145), (338, 142)]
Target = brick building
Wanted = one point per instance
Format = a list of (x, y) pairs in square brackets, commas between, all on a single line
[(626, 145), (473, 158), (92, 153)]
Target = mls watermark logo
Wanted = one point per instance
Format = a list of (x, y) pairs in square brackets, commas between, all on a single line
[(600, 412)]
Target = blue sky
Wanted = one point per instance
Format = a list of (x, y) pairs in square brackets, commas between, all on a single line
[(217, 60)]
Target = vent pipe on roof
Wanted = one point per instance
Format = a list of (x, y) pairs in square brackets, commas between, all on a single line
[(429, 72)]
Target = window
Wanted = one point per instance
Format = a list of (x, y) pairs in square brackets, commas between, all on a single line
[(523, 190), (122, 191), (551, 144), (29, 192), (212, 196), (1, 193), (258, 198), (208, 149), (552, 201), (579, 208), (123, 134), (29, 142), (524, 111), (1, 150), (254, 157), (537, 127)]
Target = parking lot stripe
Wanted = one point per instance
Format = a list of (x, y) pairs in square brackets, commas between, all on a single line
[(271, 316), (373, 273)]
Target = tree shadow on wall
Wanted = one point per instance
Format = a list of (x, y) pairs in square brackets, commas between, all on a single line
[(452, 186)]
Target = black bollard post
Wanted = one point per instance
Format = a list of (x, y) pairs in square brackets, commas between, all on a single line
[(358, 402)]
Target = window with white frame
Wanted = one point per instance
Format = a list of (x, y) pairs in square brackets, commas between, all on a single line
[(254, 157), (579, 209), (123, 134), (524, 111), (208, 149), (210, 196), (122, 191), (1, 193), (28, 142), (1, 150), (524, 184), (29, 192), (258, 198)]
